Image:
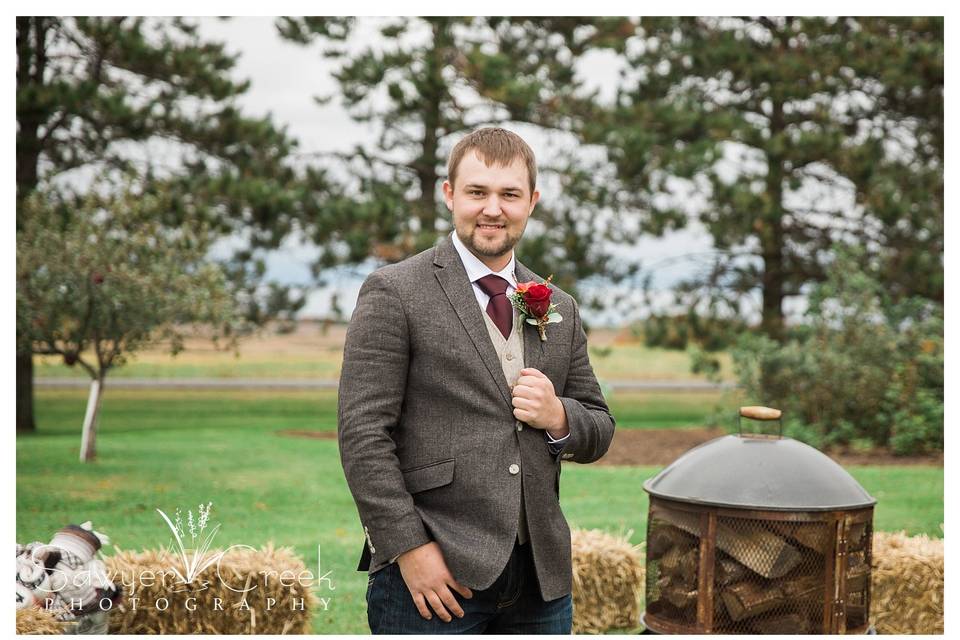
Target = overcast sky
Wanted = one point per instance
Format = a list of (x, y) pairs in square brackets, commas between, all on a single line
[(285, 77)]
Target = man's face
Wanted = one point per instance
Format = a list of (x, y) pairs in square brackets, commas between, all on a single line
[(490, 206)]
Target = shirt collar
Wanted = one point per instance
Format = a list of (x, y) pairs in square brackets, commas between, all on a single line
[(476, 269)]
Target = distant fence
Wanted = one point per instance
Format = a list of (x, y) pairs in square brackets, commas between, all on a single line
[(287, 383)]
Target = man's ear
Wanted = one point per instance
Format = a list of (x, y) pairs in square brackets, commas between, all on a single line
[(534, 198), (448, 194)]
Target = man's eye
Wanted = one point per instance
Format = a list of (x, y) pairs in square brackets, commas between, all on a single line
[(510, 195), (476, 193)]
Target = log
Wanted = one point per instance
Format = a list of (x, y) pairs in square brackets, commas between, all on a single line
[(676, 576), (663, 536), (803, 588), (728, 570), (787, 624), (856, 612), (857, 578), (857, 582), (767, 554), (812, 535), (678, 596), (857, 561), (679, 562), (748, 599), (855, 536)]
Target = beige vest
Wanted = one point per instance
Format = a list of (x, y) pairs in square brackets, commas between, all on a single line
[(510, 353)]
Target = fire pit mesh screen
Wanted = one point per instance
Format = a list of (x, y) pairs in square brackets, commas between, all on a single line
[(673, 558), (757, 535), (859, 552), (769, 576)]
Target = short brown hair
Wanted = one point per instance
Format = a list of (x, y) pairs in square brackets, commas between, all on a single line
[(495, 146)]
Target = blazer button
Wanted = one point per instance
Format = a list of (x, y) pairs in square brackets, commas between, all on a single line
[(519, 426), (514, 469)]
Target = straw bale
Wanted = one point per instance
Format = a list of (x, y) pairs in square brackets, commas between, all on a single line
[(255, 592), (907, 577), (35, 622), (608, 579)]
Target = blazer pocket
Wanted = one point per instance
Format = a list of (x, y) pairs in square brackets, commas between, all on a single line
[(431, 476)]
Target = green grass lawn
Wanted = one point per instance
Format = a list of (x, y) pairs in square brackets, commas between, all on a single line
[(170, 448), (672, 409)]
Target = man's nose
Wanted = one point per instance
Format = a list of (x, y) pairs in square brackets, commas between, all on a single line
[(492, 206)]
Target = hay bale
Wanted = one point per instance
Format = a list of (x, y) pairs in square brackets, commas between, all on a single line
[(907, 576), (608, 581), (276, 593), (36, 622)]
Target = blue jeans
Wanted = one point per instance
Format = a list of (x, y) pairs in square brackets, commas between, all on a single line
[(511, 605)]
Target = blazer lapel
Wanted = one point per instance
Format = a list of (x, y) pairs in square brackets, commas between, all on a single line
[(532, 344), (453, 280)]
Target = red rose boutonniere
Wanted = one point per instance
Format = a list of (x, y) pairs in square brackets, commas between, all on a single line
[(532, 300)]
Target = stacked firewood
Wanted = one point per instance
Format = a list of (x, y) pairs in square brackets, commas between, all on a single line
[(768, 578), (672, 556), (858, 574)]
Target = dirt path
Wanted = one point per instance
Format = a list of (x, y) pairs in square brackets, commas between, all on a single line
[(660, 447)]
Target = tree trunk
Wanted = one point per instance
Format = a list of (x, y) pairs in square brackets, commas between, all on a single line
[(772, 318), (426, 164), (31, 62), (88, 439), (771, 236), (25, 421)]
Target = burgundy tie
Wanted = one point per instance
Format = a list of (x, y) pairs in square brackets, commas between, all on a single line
[(499, 308)]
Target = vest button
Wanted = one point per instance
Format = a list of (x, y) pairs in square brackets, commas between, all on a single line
[(509, 356)]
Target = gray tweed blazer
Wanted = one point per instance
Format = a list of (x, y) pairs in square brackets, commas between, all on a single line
[(429, 445)]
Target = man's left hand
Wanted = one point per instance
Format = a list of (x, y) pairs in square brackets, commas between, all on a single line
[(535, 402)]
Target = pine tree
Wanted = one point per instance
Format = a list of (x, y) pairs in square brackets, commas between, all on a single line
[(831, 141), (116, 96), (417, 87)]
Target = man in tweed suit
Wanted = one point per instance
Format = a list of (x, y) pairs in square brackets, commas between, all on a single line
[(453, 417)]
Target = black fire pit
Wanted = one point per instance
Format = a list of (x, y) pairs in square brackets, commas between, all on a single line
[(757, 534)]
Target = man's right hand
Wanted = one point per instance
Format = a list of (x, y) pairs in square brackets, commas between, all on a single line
[(429, 580)]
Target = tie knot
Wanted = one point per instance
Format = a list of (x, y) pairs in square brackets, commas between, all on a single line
[(493, 285)]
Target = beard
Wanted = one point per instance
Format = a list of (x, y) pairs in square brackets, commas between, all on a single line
[(490, 248)]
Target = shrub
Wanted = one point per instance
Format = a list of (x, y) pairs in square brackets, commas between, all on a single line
[(862, 367)]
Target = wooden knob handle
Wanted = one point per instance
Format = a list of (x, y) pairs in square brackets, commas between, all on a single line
[(760, 413)]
